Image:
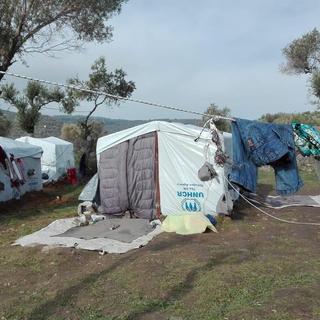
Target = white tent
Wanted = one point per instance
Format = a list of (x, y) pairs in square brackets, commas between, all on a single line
[(153, 168), (57, 155), (26, 161)]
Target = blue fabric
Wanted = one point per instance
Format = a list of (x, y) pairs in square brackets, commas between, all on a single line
[(212, 219), (256, 144)]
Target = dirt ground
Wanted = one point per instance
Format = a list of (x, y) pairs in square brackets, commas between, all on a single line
[(254, 268)]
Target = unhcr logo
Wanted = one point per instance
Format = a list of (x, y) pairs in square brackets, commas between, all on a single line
[(191, 205), (189, 194)]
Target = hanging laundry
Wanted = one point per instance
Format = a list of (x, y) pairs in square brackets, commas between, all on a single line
[(307, 139), (256, 144), (220, 157), (207, 172), (21, 169), (17, 172), (15, 175), (10, 172)]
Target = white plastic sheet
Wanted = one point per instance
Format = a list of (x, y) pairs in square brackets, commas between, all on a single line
[(181, 191), (31, 169), (57, 155)]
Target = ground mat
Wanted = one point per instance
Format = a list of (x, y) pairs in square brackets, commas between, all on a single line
[(125, 230)]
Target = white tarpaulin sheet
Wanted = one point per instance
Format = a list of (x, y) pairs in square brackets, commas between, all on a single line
[(47, 236), (57, 155), (30, 169), (181, 190), (20, 149), (111, 140)]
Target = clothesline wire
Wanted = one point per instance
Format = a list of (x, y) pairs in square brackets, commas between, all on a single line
[(269, 214), (216, 117), (56, 109)]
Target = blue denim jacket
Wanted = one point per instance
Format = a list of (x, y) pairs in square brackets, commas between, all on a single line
[(256, 144)]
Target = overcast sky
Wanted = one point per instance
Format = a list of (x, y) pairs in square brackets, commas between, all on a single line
[(191, 53)]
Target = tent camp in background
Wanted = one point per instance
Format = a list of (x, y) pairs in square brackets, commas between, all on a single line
[(20, 169), (57, 155), (153, 168)]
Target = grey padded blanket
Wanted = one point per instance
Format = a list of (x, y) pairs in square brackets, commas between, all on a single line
[(127, 174), (128, 230)]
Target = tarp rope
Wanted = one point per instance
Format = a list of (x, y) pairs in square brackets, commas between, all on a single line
[(112, 96)]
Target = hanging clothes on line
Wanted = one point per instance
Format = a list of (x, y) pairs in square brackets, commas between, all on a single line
[(307, 139), (256, 144), (220, 157), (207, 171)]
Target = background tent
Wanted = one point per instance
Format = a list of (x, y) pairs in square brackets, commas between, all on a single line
[(27, 157), (57, 155), (153, 168)]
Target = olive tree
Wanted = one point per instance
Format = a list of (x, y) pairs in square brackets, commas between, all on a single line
[(303, 57), (48, 26), (221, 124), (4, 125), (29, 104), (100, 80)]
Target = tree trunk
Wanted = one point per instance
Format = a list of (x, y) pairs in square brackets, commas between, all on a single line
[(8, 61), (1, 74), (86, 146)]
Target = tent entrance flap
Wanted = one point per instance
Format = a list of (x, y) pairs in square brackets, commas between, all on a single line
[(127, 173)]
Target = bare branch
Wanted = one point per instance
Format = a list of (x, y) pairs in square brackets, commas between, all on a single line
[(44, 47)]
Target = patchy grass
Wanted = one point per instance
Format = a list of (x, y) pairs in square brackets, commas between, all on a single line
[(267, 179), (254, 268)]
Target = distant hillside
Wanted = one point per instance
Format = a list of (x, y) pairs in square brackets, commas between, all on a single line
[(114, 125), (51, 125), (47, 126), (310, 117)]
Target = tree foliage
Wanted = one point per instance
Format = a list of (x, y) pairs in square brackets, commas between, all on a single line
[(29, 104), (71, 132), (303, 57), (308, 117), (100, 80), (52, 25), (74, 133), (4, 125), (214, 110), (303, 54)]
